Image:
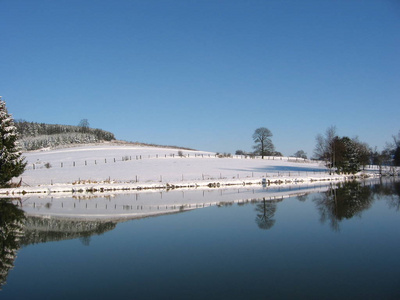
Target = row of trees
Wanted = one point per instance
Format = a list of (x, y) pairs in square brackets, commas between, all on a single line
[(341, 154), (345, 155), (34, 135), (31, 136)]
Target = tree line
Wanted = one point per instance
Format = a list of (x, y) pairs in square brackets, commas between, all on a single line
[(349, 156), (33, 135), (341, 154)]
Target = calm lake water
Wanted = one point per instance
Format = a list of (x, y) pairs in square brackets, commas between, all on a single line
[(340, 243)]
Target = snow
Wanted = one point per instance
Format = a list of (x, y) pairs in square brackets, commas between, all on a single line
[(85, 181), (148, 165), (109, 166)]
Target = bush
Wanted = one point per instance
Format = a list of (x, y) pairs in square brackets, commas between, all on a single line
[(222, 155)]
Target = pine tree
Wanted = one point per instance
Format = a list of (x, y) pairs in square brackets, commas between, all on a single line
[(11, 162)]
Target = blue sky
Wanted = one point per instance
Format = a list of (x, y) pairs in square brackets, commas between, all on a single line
[(206, 74)]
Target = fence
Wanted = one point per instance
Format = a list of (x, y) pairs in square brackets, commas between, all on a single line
[(39, 165)]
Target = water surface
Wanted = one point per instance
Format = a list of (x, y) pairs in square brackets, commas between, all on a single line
[(338, 243)]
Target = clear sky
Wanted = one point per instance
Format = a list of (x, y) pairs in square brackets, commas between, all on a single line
[(206, 74)]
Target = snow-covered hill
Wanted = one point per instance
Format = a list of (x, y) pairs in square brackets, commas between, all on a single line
[(130, 167)]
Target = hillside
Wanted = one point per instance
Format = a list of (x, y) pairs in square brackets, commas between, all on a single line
[(124, 167), (34, 136)]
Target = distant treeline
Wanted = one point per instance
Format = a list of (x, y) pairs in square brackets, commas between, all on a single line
[(33, 136)]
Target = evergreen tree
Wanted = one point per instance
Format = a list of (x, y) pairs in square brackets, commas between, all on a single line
[(347, 157), (396, 157), (11, 162)]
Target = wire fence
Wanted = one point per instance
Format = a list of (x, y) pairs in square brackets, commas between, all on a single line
[(125, 158)]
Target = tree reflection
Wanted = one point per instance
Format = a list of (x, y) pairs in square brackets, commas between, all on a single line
[(302, 198), (344, 202), (265, 217), (390, 190), (43, 230), (11, 230)]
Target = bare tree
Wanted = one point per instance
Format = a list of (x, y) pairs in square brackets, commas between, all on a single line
[(262, 138), (301, 154), (84, 124), (325, 147), (396, 149), (363, 152)]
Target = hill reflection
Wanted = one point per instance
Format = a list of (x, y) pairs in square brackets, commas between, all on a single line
[(34, 220)]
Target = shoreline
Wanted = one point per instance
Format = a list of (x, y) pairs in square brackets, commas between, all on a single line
[(94, 188), (123, 206)]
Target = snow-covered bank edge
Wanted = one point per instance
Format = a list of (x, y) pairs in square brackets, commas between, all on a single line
[(100, 188)]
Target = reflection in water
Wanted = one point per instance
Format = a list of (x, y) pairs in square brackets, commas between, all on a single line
[(302, 198), (266, 213), (11, 230), (51, 222), (43, 230), (345, 201), (390, 190), (17, 231)]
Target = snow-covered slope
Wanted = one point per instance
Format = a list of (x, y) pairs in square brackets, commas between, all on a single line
[(127, 166)]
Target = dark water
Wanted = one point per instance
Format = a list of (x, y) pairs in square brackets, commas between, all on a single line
[(340, 244)]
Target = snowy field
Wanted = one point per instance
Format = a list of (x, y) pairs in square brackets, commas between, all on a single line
[(104, 166)]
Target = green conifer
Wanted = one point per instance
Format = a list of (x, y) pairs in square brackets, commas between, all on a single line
[(11, 161)]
